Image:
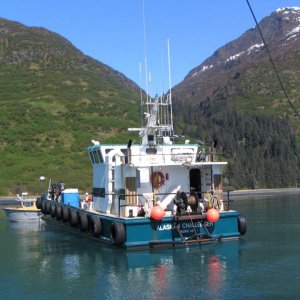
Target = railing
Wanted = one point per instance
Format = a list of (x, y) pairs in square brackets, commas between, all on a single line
[(210, 196), (141, 195), (159, 158)]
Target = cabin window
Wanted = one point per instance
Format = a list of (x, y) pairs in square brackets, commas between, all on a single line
[(99, 192), (92, 157), (125, 152), (96, 157), (218, 181), (100, 156), (151, 150), (108, 150), (150, 138), (179, 154)]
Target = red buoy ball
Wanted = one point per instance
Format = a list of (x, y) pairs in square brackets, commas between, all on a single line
[(157, 213), (212, 215)]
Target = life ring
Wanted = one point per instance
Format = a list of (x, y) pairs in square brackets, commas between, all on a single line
[(117, 234), (158, 179), (38, 202), (95, 225), (73, 217), (58, 212), (65, 214), (83, 221), (52, 210), (242, 226)]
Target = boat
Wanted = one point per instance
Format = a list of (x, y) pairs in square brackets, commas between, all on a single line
[(25, 210), (155, 192)]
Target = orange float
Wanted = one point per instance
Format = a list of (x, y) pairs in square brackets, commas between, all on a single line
[(212, 215), (157, 213)]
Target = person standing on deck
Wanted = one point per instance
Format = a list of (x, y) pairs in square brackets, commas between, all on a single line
[(88, 200)]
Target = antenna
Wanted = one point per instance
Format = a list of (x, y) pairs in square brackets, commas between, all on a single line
[(141, 93), (150, 82), (145, 50), (169, 65), (162, 71), (170, 85)]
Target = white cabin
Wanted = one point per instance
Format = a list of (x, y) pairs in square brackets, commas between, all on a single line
[(128, 178)]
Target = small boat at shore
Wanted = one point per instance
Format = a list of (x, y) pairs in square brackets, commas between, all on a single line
[(25, 210), (148, 194)]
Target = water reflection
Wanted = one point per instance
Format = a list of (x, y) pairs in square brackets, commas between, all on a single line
[(45, 262), (71, 266), (50, 261), (98, 269), (26, 226)]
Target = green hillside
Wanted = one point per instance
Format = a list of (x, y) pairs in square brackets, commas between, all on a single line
[(54, 100)]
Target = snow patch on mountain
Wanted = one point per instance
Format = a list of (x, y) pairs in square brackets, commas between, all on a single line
[(285, 10), (233, 57), (254, 47)]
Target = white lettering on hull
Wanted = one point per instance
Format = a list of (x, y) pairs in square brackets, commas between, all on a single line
[(183, 226)]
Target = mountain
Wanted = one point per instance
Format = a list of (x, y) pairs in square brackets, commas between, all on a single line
[(234, 100), (241, 71), (54, 100)]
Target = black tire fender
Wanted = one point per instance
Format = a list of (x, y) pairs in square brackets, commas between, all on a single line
[(95, 225), (83, 221), (242, 225), (73, 217), (47, 207), (53, 210), (38, 202), (43, 207), (58, 212), (117, 233), (65, 213)]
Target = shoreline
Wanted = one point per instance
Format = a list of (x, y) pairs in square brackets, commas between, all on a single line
[(236, 194), (233, 194)]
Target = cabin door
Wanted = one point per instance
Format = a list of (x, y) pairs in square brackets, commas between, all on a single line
[(195, 182)]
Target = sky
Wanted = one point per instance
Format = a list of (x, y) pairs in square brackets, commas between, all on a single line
[(124, 34)]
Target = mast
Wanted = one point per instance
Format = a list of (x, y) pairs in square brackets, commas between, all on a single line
[(158, 112), (145, 52), (170, 86)]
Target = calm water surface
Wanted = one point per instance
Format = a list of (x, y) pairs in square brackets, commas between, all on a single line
[(42, 262)]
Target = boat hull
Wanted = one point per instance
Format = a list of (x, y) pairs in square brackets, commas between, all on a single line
[(21, 215), (142, 231)]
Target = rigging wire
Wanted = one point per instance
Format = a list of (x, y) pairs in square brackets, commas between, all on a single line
[(272, 62)]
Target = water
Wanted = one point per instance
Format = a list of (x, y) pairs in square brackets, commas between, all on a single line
[(42, 262)]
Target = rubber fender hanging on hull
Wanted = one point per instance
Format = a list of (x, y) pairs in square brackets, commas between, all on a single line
[(47, 208), (95, 225), (65, 214), (43, 207), (73, 217), (38, 202), (58, 212), (117, 234), (83, 221), (52, 210), (242, 225)]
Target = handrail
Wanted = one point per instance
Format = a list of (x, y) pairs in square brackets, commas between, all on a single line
[(142, 194), (181, 157)]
